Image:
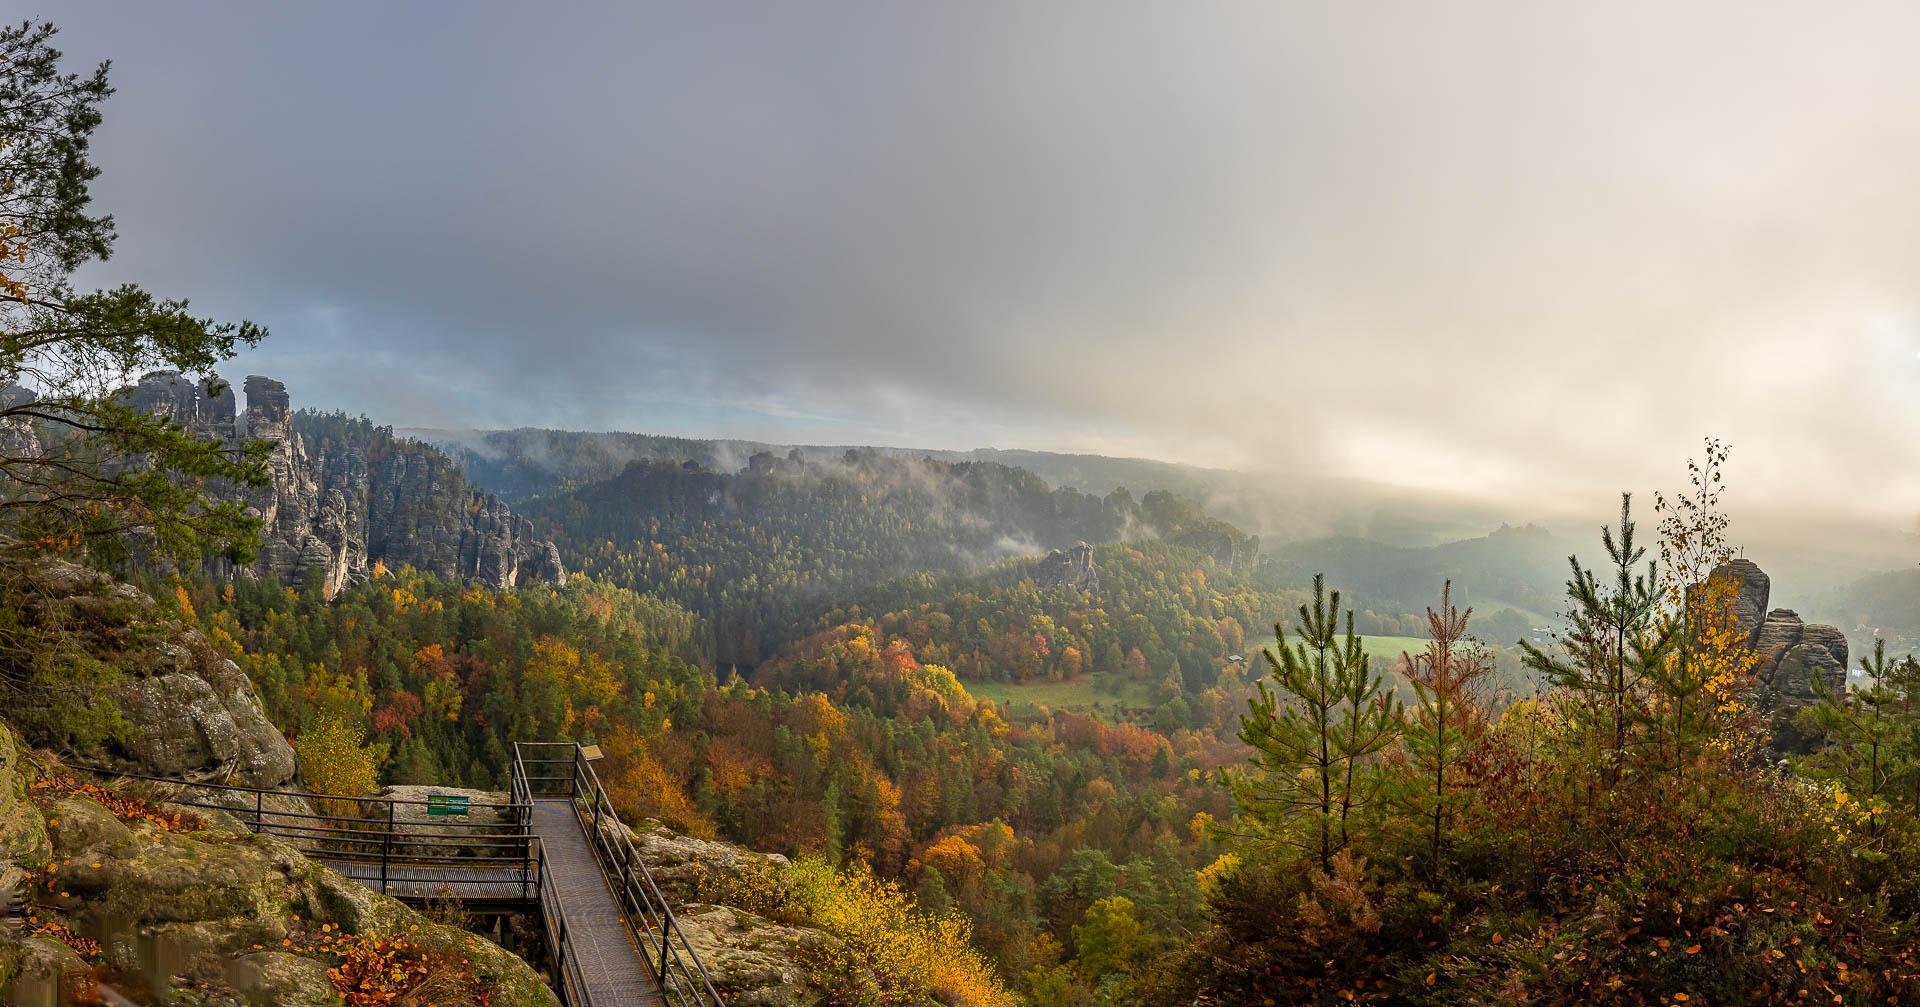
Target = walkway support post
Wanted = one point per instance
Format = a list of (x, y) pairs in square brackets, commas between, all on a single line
[(386, 850)]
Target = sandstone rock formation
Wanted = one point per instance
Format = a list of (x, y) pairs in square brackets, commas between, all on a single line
[(1069, 568), (197, 916), (345, 494), (17, 436), (752, 961), (1793, 656), (189, 712)]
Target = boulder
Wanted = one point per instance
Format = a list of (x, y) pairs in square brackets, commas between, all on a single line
[(753, 961), (187, 909), (50, 974), (77, 825), (278, 979), (487, 821), (24, 845)]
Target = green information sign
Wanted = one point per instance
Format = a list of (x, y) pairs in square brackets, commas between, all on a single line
[(442, 805)]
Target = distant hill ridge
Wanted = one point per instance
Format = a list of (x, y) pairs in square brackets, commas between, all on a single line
[(1522, 567), (532, 461), (764, 548)]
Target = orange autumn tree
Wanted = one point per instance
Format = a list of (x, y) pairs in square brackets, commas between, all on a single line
[(1445, 722), (640, 787)]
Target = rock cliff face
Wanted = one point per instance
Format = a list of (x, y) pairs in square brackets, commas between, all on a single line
[(346, 494), (1793, 655), (1069, 567), (190, 713)]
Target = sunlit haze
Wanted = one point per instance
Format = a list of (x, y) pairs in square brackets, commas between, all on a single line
[(1521, 254)]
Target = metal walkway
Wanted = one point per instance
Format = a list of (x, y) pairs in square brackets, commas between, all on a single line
[(555, 847), (610, 964)]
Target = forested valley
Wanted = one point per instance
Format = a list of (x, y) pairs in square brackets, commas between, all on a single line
[(1126, 787), (896, 728)]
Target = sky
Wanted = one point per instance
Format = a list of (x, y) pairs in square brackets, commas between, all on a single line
[(1524, 252)]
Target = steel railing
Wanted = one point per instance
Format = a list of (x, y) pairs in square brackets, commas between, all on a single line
[(378, 835), (648, 917), (375, 833)]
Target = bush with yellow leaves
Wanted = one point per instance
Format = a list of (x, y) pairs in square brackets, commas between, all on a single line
[(890, 953)]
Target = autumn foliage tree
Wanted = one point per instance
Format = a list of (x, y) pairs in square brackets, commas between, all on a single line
[(336, 759), (1445, 722), (1703, 677)]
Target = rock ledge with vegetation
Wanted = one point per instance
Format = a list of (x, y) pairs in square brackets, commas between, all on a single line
[(185, 906)]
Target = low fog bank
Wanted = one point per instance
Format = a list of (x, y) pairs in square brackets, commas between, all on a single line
[(1807, 552)]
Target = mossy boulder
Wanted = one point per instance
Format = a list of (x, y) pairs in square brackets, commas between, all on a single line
[(23, 833), (192, 911), (167, 702), (513, 984), (278, 979), (46, 973), (76, 825)]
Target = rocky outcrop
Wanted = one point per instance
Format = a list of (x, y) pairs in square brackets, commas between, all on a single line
[(1796, 661), (1069, 568), (345, 494), (17, 435), (752, 961), (204, 912), (186, 710)]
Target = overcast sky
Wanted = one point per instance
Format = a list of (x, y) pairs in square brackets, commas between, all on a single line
[(1512, 249)]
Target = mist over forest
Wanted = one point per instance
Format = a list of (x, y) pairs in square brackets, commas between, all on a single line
[(959, 505)]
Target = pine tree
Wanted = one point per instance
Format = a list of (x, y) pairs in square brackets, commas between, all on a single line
[(1868, 754), (1317, 732), (82, 469), (1615, 644), (1445, 722)]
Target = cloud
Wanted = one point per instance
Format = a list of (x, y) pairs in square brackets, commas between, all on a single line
[(1524, 253)]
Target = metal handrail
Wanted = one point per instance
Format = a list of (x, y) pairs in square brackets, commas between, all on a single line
[(381, 839), (369, 840), (644, 909), (241, 788)]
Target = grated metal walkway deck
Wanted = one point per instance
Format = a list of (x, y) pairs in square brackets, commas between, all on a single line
[(611, 965), (470, 884)]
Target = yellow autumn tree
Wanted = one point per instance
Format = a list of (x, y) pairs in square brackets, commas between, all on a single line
[(888, 950), (1699, 702), (336, 759)]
